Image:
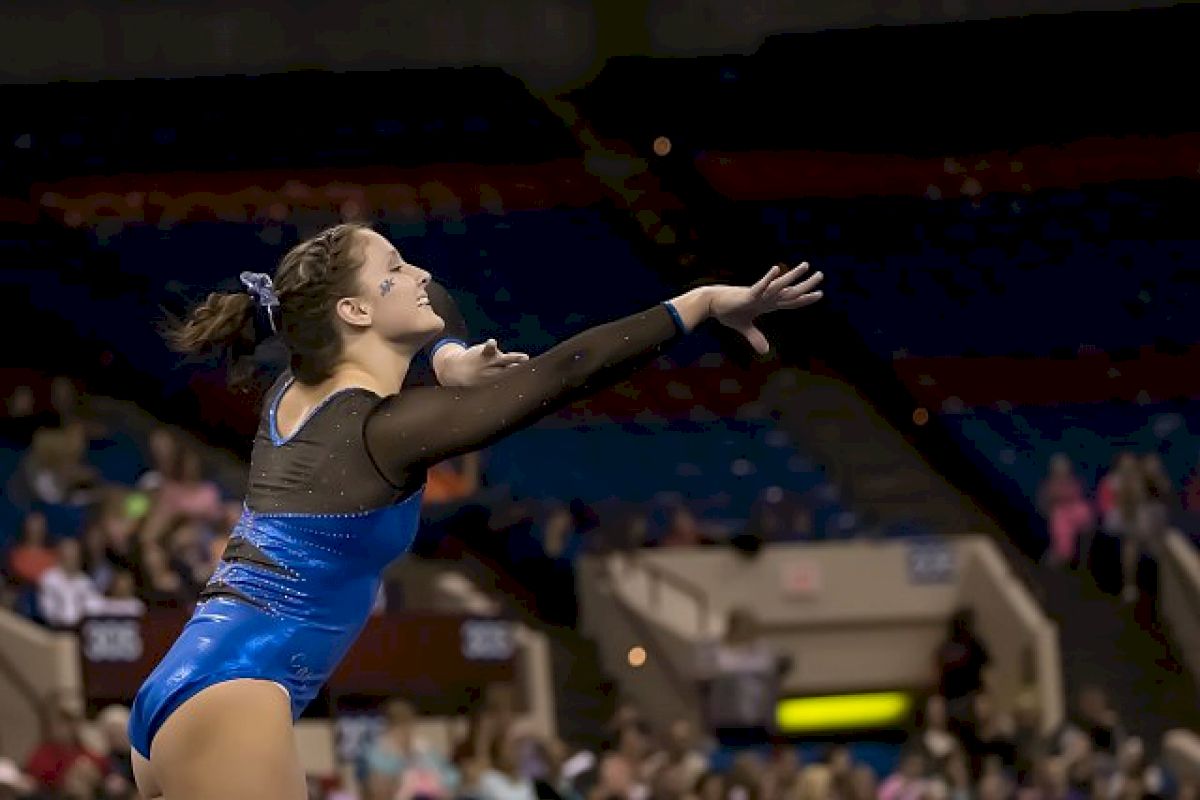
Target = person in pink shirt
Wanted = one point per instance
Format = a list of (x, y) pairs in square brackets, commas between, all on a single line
[(1068, 514), (184, 495), (908, 781)]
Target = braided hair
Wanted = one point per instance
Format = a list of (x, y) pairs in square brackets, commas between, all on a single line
[(309, 281)]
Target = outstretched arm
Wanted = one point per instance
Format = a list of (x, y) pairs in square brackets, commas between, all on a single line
[(408, 432), (455, 362)]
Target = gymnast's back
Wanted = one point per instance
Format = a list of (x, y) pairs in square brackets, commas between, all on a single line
[(319, 518)]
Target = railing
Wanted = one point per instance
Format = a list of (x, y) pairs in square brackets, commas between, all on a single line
[(623, 564), (38, 663), (1179, 593), (681, 682)]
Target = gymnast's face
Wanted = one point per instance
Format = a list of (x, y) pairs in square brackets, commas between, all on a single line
[(393, 302)]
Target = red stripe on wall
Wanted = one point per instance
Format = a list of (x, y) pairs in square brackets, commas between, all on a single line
[(446, 191), (1151, 377), (779, 175)]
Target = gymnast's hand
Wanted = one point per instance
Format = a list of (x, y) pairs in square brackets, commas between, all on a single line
[(456, 366), (738, 306)]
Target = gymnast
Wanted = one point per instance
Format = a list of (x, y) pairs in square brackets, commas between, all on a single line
[(336, 476)]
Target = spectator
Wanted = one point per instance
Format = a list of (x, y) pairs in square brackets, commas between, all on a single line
[(189, 554), (988, 733), (747, 777), (503, 779), (185, 494), (65, 590), (494, 720), (1050, 782), (446, 484), (783, 773), (680, 754), (65, 400), (470, 771), (936, 743), (399, 765), (683, 530), (1063, 505), (841, 771), (1161, 500), (53, 471), (60, 749), (561, 540), (1097, 720), (560, 531), (711, 786), (669, 784), (1158, 481), (118, 784), (32, 556), (993, 786), (95, 556), (164, 453), (863, 783), (616, 780), (958, 778), (562, 768), (119, 601), (633, 742), (960, 661), (118, 527), (162, 586), (1080, 759), (23, 419), (1127, 520), (908, 781), (740, 676), (626, 713), (1029, 744), (1107, 490)]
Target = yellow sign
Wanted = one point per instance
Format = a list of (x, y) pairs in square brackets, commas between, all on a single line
[(842, 712)]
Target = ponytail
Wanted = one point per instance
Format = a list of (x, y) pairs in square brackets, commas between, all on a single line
[(224, 324)]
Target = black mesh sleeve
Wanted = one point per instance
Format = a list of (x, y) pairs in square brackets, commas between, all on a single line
[(409, 431)]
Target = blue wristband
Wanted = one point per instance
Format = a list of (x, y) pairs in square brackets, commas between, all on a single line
[(447, 340), (675, 316)]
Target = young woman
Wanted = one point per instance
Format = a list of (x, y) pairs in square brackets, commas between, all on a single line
[(335, 485)]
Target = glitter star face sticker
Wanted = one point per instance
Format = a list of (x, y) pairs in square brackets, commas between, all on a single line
[(386, 286)]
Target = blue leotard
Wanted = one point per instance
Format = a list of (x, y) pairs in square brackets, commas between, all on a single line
[(331, 505)]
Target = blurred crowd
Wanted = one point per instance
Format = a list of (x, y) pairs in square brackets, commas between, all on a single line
[(978, 753), (1133, 505), (77, 758), (88, 545), (76, 540)]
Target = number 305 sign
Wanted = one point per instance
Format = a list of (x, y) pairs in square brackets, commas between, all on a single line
[(108, 640), (487, 640)]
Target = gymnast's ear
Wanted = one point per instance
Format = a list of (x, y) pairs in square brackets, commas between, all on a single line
[(354, 311)]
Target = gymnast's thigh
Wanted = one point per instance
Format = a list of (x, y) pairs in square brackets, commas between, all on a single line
[(231, 741), (143, 775)]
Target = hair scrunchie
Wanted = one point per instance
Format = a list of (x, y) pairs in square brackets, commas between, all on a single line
[(262, 289)]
